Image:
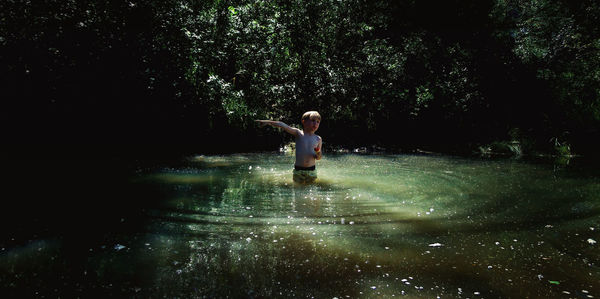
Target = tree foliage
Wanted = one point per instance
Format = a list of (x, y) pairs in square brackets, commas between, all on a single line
[(401, 73)]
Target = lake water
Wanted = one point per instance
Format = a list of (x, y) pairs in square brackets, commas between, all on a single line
[(371, 226)]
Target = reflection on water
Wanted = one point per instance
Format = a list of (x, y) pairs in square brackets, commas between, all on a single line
[(371, 226)]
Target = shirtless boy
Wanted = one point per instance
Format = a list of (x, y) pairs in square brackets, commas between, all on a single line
[(308, 145)]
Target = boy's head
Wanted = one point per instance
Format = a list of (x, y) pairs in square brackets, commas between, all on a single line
[(311, 121), (311, 115)]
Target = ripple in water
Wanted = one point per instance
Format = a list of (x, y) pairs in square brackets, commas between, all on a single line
[(378, 226)]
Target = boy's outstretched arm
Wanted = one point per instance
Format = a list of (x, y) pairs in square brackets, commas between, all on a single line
[(280, 124)]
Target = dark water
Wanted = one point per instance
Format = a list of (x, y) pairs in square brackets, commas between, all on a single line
[(237, 226)]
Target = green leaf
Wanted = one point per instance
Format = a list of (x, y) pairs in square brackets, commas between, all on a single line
[(232, 10), (553, 282)]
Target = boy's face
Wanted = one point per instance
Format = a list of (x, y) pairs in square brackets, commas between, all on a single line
[(311, 125)]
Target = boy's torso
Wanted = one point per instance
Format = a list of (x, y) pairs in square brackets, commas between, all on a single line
[(305, 145)]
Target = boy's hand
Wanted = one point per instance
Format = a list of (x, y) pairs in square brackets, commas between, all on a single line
[(271, 123), (279, 124), (318, 153), (261, 123)]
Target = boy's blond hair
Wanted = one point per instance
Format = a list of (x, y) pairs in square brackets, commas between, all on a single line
[(311, 115)]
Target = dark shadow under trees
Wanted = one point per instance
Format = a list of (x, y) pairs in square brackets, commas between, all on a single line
[(171, 77)]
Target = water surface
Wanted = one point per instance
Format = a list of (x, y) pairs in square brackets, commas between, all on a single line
[(371, 226)]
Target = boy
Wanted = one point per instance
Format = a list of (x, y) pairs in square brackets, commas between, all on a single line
[(308, 145)]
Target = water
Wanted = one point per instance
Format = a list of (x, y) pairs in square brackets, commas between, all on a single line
[(372, 226)]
